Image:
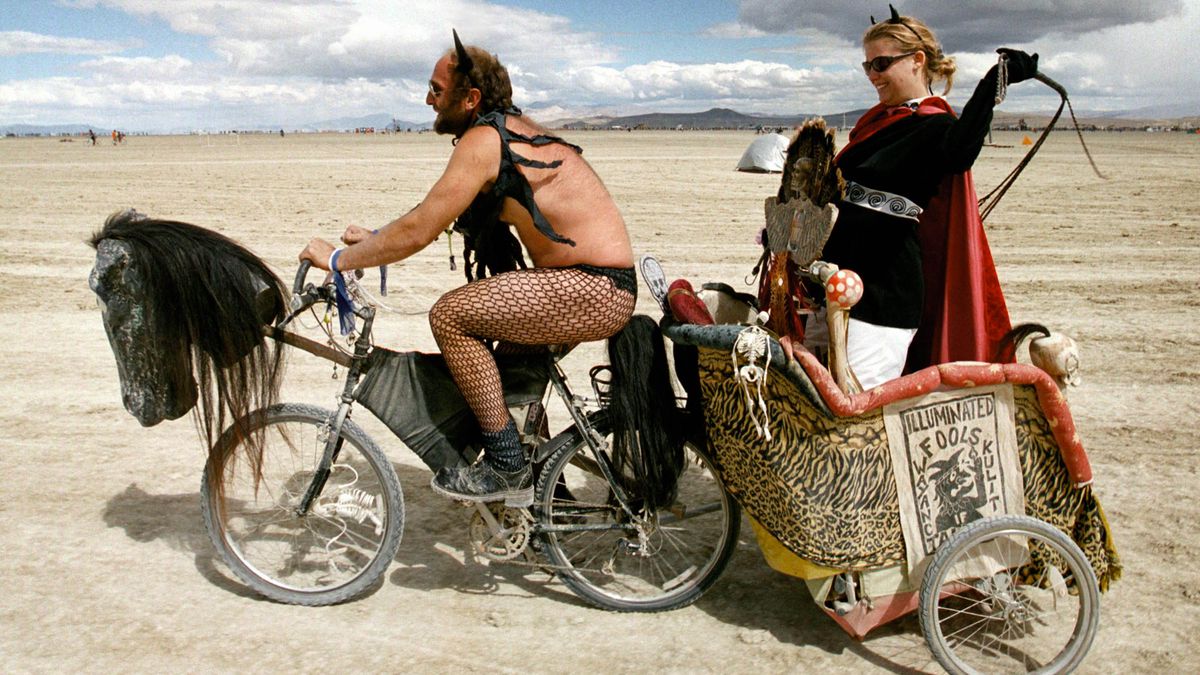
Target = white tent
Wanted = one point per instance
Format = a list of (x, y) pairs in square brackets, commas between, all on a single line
[(765, 154)]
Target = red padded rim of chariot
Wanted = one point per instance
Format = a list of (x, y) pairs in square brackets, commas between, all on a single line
[(955, 376)]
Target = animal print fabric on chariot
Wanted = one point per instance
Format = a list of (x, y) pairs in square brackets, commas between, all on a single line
[(823, 486)]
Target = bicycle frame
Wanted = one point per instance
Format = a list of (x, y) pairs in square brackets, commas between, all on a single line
[(558, 380), (333, 441), (356, 366)]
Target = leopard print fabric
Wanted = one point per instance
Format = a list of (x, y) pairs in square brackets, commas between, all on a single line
[(823, 486), (1050, 497)]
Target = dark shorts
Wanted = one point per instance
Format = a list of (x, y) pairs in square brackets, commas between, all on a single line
[(624, 278)]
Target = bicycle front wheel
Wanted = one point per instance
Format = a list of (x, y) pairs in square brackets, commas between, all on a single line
[(651, 563), (1034, 606), (329, 554)]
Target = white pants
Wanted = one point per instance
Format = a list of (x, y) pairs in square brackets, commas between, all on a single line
[(876, 353)]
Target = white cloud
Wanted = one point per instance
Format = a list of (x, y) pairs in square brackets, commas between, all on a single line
[(748, 85), (295, 61), (366, 38), (732, 30), (170, 66), (17, 42)]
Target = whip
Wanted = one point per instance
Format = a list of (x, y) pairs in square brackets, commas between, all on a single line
[(992, 198)]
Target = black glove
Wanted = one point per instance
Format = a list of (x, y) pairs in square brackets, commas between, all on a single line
[(1021, 66)]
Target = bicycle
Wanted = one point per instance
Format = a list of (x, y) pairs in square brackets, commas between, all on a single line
[(326, 517)]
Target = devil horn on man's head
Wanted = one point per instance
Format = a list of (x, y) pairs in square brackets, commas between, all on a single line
[(465, 64)]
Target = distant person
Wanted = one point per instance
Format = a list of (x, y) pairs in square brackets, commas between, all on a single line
[(92, 135), (281, 133), (114, 136), (505, 173), (906, 164)]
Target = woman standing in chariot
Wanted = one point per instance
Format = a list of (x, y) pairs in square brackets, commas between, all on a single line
[(581, 288), (908, 223)]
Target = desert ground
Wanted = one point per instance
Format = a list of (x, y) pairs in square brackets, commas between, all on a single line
[(106, 565)]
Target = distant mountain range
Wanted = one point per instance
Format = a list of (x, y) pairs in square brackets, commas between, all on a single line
[(378, 121), (724, 118), (715, 118)]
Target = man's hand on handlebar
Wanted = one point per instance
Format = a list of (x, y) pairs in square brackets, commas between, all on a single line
[(355, 234), (318, 252)]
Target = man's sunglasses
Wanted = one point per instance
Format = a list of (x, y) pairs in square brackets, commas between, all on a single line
[(436, 91), (882, 63)]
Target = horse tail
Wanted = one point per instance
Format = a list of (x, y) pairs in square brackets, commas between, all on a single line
[(210, 298), (647, 423), (1006, 349)]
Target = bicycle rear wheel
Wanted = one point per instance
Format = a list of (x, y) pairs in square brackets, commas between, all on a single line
[(663, 561), (336, 550), (1036, 617)]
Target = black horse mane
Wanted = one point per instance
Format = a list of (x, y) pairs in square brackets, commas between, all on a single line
[(210, 299), (648, 432)]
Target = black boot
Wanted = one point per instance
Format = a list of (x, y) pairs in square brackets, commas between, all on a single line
[(502, 474)]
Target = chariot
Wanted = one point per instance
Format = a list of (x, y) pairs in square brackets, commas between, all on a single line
[(961, 492)]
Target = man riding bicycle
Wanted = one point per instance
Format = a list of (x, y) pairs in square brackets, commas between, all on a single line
[(581, 287)]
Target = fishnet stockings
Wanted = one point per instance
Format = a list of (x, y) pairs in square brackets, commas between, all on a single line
[(540, 306)]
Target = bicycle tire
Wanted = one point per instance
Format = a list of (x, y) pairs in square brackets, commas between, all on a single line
[(1001, 611), (680, 558), (336, 551)]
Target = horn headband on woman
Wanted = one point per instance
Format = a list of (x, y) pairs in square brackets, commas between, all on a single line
[(895, 19)]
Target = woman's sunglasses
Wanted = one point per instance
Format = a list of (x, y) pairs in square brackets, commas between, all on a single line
[(882, 63)]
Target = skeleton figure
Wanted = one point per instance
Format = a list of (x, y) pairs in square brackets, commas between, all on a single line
[(753, 349)]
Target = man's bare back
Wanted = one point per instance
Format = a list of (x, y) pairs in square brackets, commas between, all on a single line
[(573, 200)]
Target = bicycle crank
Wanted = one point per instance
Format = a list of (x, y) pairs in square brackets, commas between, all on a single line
[(498, 533)]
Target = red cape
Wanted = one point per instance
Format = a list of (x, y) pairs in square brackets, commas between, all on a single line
[(964, 315)]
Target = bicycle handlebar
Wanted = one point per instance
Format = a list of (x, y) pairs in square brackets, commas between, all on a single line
[(305, 295), (301, 274), (302, 298)]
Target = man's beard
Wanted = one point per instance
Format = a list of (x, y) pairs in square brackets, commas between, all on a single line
[(454, 121)]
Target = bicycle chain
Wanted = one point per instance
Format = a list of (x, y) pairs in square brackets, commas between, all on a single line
[(534, 558)]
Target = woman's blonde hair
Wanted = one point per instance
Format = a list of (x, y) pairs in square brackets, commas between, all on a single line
[(913, 35)]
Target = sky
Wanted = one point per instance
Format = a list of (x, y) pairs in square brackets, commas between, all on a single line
[(159, 65)]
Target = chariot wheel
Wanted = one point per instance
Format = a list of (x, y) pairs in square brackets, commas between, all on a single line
[(665, 560), (1034, 608), (336, 550)]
